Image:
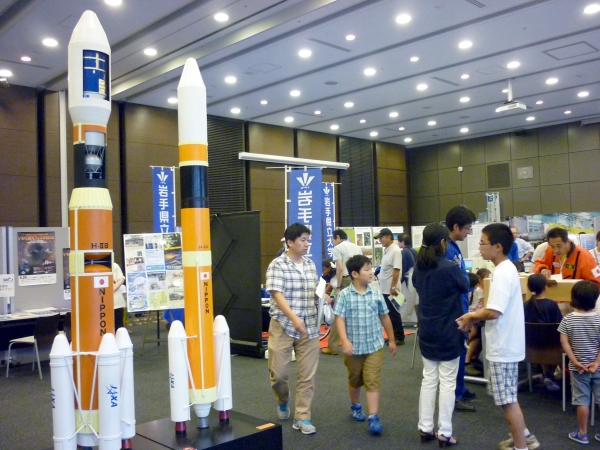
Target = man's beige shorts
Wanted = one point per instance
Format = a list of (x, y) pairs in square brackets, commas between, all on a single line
[(365, 370)]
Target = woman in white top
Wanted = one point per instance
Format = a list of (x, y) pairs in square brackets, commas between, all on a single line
[(119, 299)]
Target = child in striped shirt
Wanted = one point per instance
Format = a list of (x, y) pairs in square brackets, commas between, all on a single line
[(580, 339)]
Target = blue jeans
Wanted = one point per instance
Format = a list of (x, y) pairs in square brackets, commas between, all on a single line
[(461, 388)]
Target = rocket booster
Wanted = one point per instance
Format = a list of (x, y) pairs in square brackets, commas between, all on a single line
[(195, 229), (224, 400), (90, 213)]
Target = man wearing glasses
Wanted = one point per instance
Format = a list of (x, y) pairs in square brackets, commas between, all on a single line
[(459, 221)]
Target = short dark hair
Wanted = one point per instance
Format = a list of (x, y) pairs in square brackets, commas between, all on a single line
[(483, 273), (584, 295), (338, 232), (405, 238), (326, 263), (557, 232), (385, 232), (356, 263), (294, 231), (459, 215), (499, 233)]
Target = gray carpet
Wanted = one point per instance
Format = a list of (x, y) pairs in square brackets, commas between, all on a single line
[(26, 417)]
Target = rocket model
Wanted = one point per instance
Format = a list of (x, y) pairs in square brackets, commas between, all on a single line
[(195, 230), (224, 400)]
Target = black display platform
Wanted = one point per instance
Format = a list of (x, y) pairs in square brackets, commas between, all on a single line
[(242, 431), (140, 443)]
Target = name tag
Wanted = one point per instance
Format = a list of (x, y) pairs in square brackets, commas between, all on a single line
[(569, 266), (555, 264)]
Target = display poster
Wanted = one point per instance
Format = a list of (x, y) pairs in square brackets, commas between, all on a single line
[(305, 207), (154, 271), (163, 193), (534, 228), (328, 218), (417, 236), (66, 275), (37, 258), (493, 206), (378, 248), (7, 285), (473, 240), (364, 239)]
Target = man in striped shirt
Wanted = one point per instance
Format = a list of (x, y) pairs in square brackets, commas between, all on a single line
[(580, 339)]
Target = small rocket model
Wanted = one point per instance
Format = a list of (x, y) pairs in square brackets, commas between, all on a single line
[(224, 400), (195, 232)]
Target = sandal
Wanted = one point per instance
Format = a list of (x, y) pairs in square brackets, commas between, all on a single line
[(427, 436), (446, 441), (581, 438)]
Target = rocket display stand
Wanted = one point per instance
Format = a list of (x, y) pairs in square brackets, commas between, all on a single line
[(242, 431)]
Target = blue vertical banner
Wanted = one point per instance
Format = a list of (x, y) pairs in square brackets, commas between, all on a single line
[(163, 192), (328, 220), (305, 208)]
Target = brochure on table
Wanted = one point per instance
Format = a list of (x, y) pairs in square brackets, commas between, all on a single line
[(153, 271)]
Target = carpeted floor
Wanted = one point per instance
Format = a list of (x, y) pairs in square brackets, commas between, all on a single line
[(26, 417)]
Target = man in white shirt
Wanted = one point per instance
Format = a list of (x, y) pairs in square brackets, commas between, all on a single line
[(525, 248), (391, 268)]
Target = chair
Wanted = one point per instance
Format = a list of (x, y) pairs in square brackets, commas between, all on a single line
[(542, 346), (44, 332)]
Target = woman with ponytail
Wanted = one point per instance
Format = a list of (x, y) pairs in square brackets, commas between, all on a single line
[(439, 283)]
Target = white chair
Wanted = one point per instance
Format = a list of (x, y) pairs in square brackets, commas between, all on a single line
[(44, 332)]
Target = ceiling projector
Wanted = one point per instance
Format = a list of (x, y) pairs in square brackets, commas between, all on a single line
[(507, 106)]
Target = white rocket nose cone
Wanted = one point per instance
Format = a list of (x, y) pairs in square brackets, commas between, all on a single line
[(60, 346), (177, 330), (88, 29), (123, 339), (191, 74), (220, 325), (108, 344)]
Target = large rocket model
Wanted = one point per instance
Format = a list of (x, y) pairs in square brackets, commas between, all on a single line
[(195, 231)]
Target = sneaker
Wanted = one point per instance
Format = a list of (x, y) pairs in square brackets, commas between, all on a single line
[(400, 342), (530, 440), (357, 412), (468, 395), (472, 371), (551, 385), (461, 405), (597, 436), (283, 412), (581, 438), (305, 426), (328, 351), (375, 426)]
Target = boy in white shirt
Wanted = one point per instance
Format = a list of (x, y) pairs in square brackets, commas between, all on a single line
[(504, 332)]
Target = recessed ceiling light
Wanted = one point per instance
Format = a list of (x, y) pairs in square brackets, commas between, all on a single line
[(235, 110), (49, 42), (350, 37), (230, 79), (348, 104), (393, 114), (530, 118), (403, 19), (464, 130), (113, 2), (362, 121), (567, 112), (317, 112), (263, 102), (295, 93), (583, 94), (304, 53), (414, 59), (552, 80), (431, 123), (505, 91), (539, 102), (407, 139), (221, 17), (465, 44), (25, 58), (373, 133), (150, 52), (5, 73), (592, 9), (421, 87), (513, 64), (369, 71), (401, 129), (464, 76), (464, 99), (172, 100), (334, 127), (289, 119)]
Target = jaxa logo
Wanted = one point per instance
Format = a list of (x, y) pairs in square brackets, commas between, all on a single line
[(8, 279), (162, 177), (305, 180), (112, 391)]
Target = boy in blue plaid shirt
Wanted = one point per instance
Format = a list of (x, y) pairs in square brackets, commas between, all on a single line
[(360, 312)]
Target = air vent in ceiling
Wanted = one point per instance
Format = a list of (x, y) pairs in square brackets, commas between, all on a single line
[(327, 44), (571, 51), (445, 81), (476, 3)]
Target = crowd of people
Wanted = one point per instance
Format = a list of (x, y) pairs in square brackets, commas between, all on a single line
[(452, 316)]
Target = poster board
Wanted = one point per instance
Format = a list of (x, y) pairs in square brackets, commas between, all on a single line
[(417, 236), (378, 248), (364, 239), (35, 257), (153, 271)]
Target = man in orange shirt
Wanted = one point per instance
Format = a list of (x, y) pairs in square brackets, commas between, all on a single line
[(564, 257)]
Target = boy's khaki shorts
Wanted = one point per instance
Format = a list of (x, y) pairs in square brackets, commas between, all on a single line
[(365, 370)]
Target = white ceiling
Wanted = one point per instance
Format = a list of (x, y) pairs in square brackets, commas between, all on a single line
[(259, 45)]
